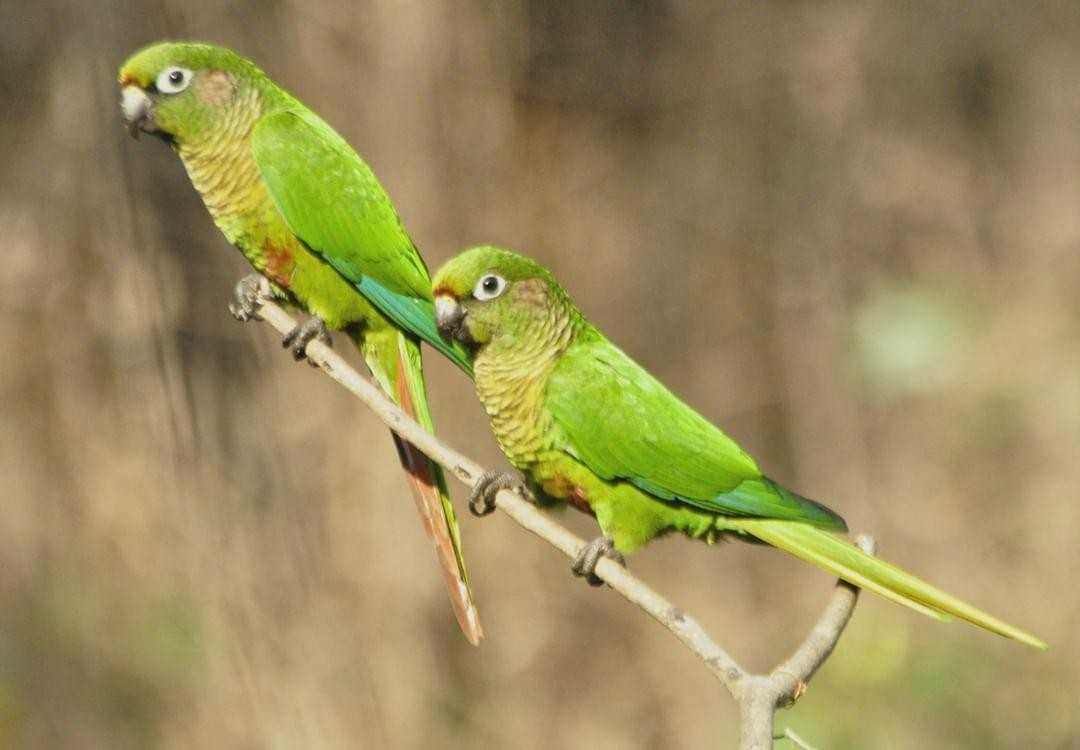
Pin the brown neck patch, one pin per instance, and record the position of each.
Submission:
(531, 292)
(216, 87)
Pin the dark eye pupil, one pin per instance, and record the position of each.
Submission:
(176, 77)
(491, 284)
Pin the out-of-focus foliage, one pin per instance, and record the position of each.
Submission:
(846, 231)
(906, 341)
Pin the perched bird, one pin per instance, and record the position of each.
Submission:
(310, 216)
(587, 425)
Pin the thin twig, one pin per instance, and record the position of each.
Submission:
(796, 740)
(788, 681)
(758, 696)
(822, 639)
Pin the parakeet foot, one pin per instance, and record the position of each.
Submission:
(297, 339)
(482, 496)
(585, 564)
(247, 292)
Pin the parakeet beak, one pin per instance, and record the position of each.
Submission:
(135, 105)
(448, 316)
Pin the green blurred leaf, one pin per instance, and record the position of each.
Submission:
(907, 339)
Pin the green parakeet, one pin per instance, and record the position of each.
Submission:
(310, 216)
(588, 425)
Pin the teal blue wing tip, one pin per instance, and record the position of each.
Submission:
(764, 498)
(812, 511)
(835, 522)
(416, 316)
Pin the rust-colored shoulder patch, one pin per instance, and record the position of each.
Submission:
(562, 488)
(216, 87)
(278, 262)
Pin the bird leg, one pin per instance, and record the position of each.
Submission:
(247, 292)
(482, 496)
(585, 564)
(297, 339)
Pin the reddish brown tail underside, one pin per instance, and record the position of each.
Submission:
(421, 475)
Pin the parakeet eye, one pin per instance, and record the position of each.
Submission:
(489, 287)
(173, 80)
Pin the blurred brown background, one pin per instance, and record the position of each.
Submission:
(846, 231)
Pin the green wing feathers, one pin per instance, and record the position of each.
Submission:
(847, 561)
(624, 424)
(332, 201)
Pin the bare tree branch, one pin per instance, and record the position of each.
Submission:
(758, 696)
(763, 695)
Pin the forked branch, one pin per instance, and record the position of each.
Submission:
(758, 696)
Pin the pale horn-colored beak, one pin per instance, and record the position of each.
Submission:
(448, 316)
(135, 105)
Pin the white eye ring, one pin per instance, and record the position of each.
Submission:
(489, 286)
(173, 80)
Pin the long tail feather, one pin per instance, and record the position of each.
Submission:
(847, 561)
(432, 498)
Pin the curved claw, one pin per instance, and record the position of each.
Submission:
(585, 564)
(247, 292)
(298, 338)
(482, 496)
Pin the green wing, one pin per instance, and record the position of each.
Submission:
(624, 424)
(332, 201)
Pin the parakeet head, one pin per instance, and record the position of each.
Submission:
(185, 90)
(487, 293)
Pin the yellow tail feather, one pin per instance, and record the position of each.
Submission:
(850, 563)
